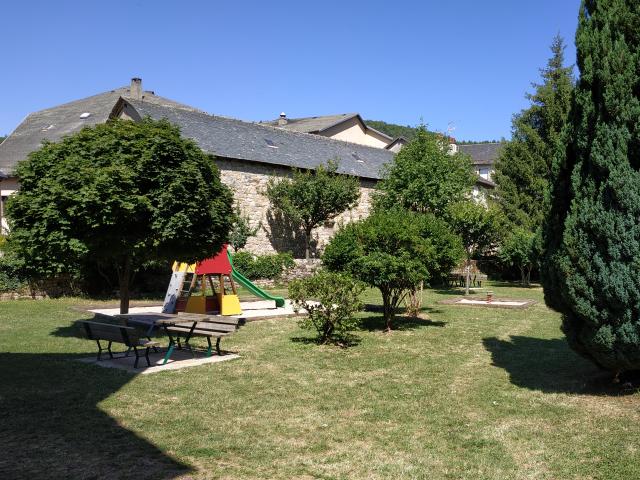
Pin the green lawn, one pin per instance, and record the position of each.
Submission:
(469, 393)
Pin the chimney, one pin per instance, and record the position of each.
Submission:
(136, 88)
(282, 121)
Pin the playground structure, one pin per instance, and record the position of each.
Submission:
(187, 291)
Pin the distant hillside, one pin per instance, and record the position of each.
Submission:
(392, 129)
(408, 132)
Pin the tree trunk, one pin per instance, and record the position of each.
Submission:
(468, 277)
(387, 310)
(307, 242)
(523, 277)
(124, 280)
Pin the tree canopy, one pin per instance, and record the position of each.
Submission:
(523, 169)
(425, 176)
(477, 226)
(591, 269)
(394, 250)
(310, 198)
(121, 193)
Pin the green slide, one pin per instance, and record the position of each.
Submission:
(246, 283)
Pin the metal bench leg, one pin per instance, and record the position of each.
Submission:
(99, 350)
(146, 355)
(172, 345)
(218, 346)
(109, 350)
(210, 347)
(135, 364)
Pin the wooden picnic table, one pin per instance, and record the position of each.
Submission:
(166, 320)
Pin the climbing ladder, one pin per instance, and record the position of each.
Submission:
(181, 284)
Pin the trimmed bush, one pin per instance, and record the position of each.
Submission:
(331, 300)
(262, 266)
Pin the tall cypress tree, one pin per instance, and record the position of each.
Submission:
(591, 269)
(524, 166)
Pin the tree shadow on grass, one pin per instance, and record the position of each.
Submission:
(549, 365)
(376, 308)
(376, 322)
(346, 340)
(51, 425)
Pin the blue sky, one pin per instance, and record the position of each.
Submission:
(465, 62)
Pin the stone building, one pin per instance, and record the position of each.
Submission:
(248, 154)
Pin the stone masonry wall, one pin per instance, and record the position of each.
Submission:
(248, 180)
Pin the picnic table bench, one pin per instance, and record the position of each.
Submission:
(111, 333)
(182, 327)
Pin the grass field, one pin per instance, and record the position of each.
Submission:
(467, 393)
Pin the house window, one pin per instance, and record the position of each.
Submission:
(484, 172)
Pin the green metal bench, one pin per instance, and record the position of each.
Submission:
(118, 334)
(210, 328)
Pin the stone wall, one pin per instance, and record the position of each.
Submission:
(248, 181)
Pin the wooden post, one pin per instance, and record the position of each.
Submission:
(233, 285)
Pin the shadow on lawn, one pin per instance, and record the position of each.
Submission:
(376, 322)
(52, 427)
(549, 365)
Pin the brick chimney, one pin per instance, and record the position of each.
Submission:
(282, 121)
(136, 88)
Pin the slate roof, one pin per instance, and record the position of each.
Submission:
(230, 138)
(312, 124)
(482, 153)
(321, 123)
(54, 123)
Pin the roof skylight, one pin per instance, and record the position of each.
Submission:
(270, 143)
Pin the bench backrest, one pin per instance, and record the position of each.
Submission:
(112, 333)
(212, 326)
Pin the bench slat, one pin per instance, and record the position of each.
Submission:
(203, 333)
(217, 327)
(112, 333)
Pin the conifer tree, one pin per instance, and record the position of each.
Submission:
(591, 268)
(524, 167)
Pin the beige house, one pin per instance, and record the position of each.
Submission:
(348, 127)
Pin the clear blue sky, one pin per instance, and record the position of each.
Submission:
(466, 62)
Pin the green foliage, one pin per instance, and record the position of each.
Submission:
(262, 266)
(394, 250)
(524, 166)
(11, 273)
(311, 198)
(407, 131)
(393, 130)
(591, 267)
(477, 226)
(518, 250)
(241, 230)
(424, 177)
(331, 300)
(118, 194)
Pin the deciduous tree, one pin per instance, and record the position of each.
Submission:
(310, 198)
(478, 227)
(121, 193)
(425, 176)
(394, 250)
